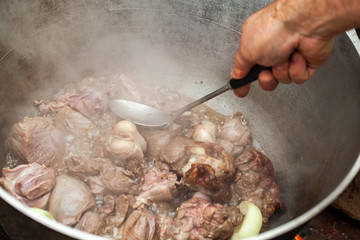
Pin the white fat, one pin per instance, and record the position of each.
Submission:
(124, 127)
(205, 132)
(127, 128)
(122, 144)
(197, 150)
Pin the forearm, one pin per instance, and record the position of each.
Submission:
(318, 18)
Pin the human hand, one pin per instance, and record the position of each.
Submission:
(267, 39)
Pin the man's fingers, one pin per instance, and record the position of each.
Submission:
(241, 66)
(298, 69)
(267, 80)
(243, 91)
(240, 70)
(281, 72)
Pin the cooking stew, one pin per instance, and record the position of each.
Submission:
(104, 175)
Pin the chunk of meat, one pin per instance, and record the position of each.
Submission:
(255, 182)
(175, 154)
(39, 139)
(235, 134)
(70, 199)
(91, 99)
(91, 222)
(122, 144)
(189, 119)
(205, 132)
(29, 183)
(158, 140)
(75, 123)
(166, 226)
(123, 150)
(213, 155)
(127, 129)
(134, 90)
(121, 210)
(87, 167)
(108, 205)
(113, 179)
(202, 177)
(81, 132)
(135, 167)
(198, 218)
(140, 225)
(159, 185)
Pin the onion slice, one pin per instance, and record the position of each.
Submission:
(252, 222)
(43, 213)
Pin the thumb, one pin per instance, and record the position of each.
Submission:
(241, 66)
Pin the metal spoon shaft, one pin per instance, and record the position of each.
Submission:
(232, 84)
(201, 100)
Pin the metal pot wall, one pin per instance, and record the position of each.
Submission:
(311, 132)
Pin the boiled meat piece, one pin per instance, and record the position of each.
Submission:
(255, 182)
(87, 167)
(91, 99)
(96, 185)
(201, 177)
(209, 169)
(235, 134)
(127, 129)
(158, 140)
(81, 132)
(140, 225)
(175, 154)
(116, 209)
(123, 150)
(107, 206)
(213, 155)
(159, 185)
(199, 218)
(121, 210)
(166, 226)
(75, 123)
(123, 144)
(29, 183)
(91, 222)
(134, 90)
(39, 139)
(136, 168)
(205, 132)
(113, 179)
(189, 119)
(70, 199)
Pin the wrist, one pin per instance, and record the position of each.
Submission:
(321, 19)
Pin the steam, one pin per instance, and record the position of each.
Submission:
(47, 45)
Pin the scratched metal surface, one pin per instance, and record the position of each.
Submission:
(306, 130)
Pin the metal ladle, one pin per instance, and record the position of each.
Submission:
(147, 116)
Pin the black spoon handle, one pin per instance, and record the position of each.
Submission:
(250, 77)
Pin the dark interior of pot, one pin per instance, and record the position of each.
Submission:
(311, 132)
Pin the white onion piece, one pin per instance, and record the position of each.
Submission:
(252, 222)
(43, 213)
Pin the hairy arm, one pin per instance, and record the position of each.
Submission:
(295, 37)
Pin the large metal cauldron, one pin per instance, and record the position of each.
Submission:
(311, 132)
